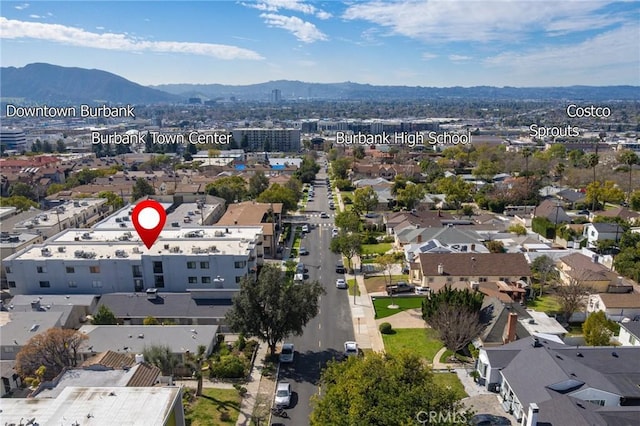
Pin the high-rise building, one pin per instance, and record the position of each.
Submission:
(272, 140)
(12, 139)
(276, 95)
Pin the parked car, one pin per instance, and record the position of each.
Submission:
(283, 395)
(351, 349)
(420, 290)
(303, 251)
(341, 283)
(332, 206)
(489, 420)
(340, 268)
(305, 228)
(287, 353)
(300, 269)
(334, 232)
(400, 287)
(324, 215)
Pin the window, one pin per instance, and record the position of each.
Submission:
(45, 284)
(505, 279)
(204, 265)
(482, 279)
(193, 280)
(463, 279)
(599, 402)
(206, 280)
(449, 279)
(238, 280)
(7, 269)
(71, 270)
(73, 284)
(191, 265)
(41, 269)
(158, 281)
(135, 269)
(97, 284)
(12, 284)
(138, 285)
(241, 264)
(94, 269)
(157, 267)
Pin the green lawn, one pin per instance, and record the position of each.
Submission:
(404, 303)
(353, 287)
(215, 406)
(452, 380)
(380, 248)
(547, 303)
(422, 341)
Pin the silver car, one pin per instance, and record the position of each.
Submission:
(287, 352)
(283, 395)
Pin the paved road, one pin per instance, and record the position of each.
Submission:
(324, 336)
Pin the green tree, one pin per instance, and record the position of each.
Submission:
(364, 199)
(142, 188)
(606, 192)
(162, 357)
(348, 221)
(104, 316)
(358, 152)
(467, 211)
(60, 146)
(592, 160)
(495, 246)
(308, 170)
(277, 193)
(518, 229)
(411, 195)
(340, 168)
(544, 270)
(196, 362)
(231, 188)
(150, 320)
(455, 315)
(113, 200)
(456, 190)
(598, 330)
(629, 159)
(273, 309)
(19, 202)
(347, 245)
(486, 170)
(634, 200)
(382, 389)
(576, 156)
(20, 189)
(257, 184)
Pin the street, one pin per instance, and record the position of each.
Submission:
(324, 336)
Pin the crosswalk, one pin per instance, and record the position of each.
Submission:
(331, 216)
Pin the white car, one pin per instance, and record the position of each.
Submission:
(334, 232)
(283, 395)
(287, 353)
(305, 228)
(421, 290)
(350, 349)
(341, 283)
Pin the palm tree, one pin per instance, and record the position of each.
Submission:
(629, 158)
(197, 361)
(592, 161)
(526, 153)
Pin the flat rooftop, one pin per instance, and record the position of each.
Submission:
(542, 323)
(52, 300)
(122, 218)
(105, 244)
(17, 239)
(95, 406)
(69, 209)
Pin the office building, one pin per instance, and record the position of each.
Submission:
(271, 140)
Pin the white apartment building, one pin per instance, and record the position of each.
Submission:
(285, 140)
(98, 261)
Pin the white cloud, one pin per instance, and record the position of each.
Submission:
(428, 56)
(459, 58)
(33, 16)
(302, 30)
(480, 20)
(13, 29)
(100, 28)
(291, 5)
(615, 49)
(22, 6)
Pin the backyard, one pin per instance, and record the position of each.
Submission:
(547, 303)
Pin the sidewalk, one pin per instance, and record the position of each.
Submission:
(253, 386)
(363, 316)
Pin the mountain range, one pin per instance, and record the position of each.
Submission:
(52, 84)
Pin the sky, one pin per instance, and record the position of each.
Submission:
(525, 43)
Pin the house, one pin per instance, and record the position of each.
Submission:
(74, 307)
(621, 212)
(595, 232)
(616, 306)
(449, 235)
(411, 251)
(190, 308)
(629, 333)
(133, 339)
(535, 372)
(552, 211)
(10, 378)
(17, 328)
(251, 213)
(394, 222)
(435, 270)
(102, 406)
(578, 268)
(570, 197)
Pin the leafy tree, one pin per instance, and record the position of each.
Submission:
(557, 150)
(53, 349)
(495, 246)
(142, 188)
(20, 189)
(343, 184)
(347, 245)
(104, 316)
(467, 211)
(196, 362)
(358, 152)
(348, 221)
(592, 161)
(634, 200)
(162, 357)
(230, 188)
(272, 309)
(113, 200)
(340, 168)
(60, 146)
(257, 184)
(54, 188)
(364, 199)
(455, 315)
(386, 261)
(629, 158)
(36, 146)
(149, 320)
(486, 170)
(518, 229)
(277, 193)
(19, 202)
(544, 270)
(411, 195)
(308, 170)
(575, 156)
(598, 330)
(456, 190)
(382, 389)
(47, 147)
(606, 192)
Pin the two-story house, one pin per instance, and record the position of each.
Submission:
(595, 232)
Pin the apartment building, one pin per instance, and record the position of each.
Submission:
(260, 139)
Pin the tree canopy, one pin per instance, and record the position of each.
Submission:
(277, 193)
(348, 245)
(272, 308)
(104, 316)
(382, 389)
(348, 221)
(598, 330)
(364, 199)
(231, 188)
(142, 188)
(257, 184)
